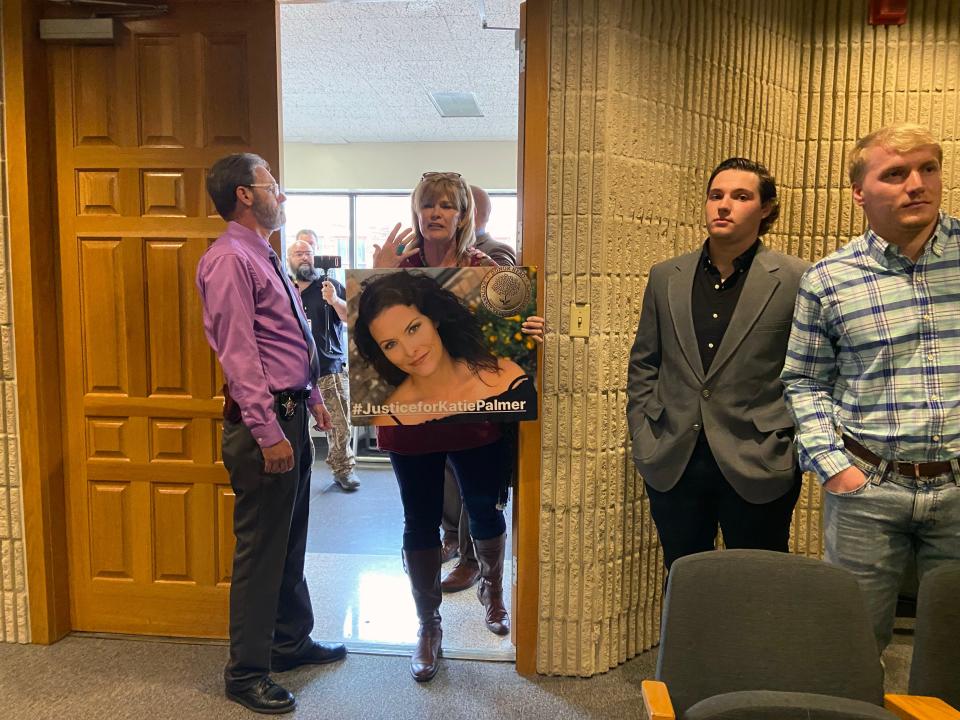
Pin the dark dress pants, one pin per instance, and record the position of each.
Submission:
(270, 611)
(687, 514)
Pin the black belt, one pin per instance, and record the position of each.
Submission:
(298, 395)
(907, 469)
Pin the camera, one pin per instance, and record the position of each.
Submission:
(326, 263)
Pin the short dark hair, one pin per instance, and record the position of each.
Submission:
(458, 329)
(226, 175)
(768, 186)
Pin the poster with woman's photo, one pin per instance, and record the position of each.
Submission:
(441, 345)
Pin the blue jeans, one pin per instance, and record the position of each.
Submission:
(480, 473)
(874, 530)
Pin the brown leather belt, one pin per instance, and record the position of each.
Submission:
(914, 470)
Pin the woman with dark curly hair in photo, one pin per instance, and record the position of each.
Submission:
(420, 338)
(481, 456)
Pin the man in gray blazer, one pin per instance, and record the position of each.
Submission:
(711, 434)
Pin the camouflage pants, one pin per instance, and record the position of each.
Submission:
(335, 389)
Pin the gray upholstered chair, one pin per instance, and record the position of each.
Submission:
(757, 635)
(935, 669)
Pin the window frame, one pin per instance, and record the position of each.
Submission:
(352, 196)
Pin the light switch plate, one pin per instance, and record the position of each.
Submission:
(579, 320)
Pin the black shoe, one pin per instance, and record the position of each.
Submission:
(264, 696)
(317, 654)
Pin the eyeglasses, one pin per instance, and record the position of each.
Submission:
(448, 175)
(269, 187)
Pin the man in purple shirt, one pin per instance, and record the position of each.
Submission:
(270, 363)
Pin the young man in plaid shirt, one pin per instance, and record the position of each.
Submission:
(872, 373)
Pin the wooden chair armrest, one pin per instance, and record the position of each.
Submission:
(919, 707)
(656, 699)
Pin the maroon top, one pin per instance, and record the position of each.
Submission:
(439, 437)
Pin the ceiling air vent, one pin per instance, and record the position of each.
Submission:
(456, 104)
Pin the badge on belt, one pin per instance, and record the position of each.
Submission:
(289, 407)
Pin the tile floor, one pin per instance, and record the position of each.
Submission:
(360, 593)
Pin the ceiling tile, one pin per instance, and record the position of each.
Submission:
(362, 71)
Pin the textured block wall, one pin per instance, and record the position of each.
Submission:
(14, 625)
(646, 97)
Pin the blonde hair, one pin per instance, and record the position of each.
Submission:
(438, 186)
(901, 138)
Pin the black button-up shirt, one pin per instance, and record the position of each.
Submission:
(715, 299)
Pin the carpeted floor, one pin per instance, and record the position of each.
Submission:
(86, 678)
(82, 678)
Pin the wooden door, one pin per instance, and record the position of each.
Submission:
(137, 124)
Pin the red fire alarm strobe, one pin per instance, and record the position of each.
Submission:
(888, 12)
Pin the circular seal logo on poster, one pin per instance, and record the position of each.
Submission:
(505, 290)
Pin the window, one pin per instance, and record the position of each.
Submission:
(502, 225)
(348, 224)
(375, 217)
(327, 215)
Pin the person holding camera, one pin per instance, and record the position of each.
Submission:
(326, 309)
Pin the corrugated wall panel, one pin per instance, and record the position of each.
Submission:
(646, 97)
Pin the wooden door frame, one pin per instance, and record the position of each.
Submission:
(32, 224)
(36, 323)
(532, 201)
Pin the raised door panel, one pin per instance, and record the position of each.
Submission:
(225, 542)
(171, 440)
(159, 91)
(98, 192)
(104, 316)
(95, 96)
(172, 510)
(164, 193)
(110, 522)
(226, 112)
(168, 334)
(108, 438)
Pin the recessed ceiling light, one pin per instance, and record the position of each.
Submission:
(456, 104)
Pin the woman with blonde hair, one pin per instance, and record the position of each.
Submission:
(443, 236)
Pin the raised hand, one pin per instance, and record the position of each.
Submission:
(398, 246)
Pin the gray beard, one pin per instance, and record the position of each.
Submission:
(306, 272)
(269, 221)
